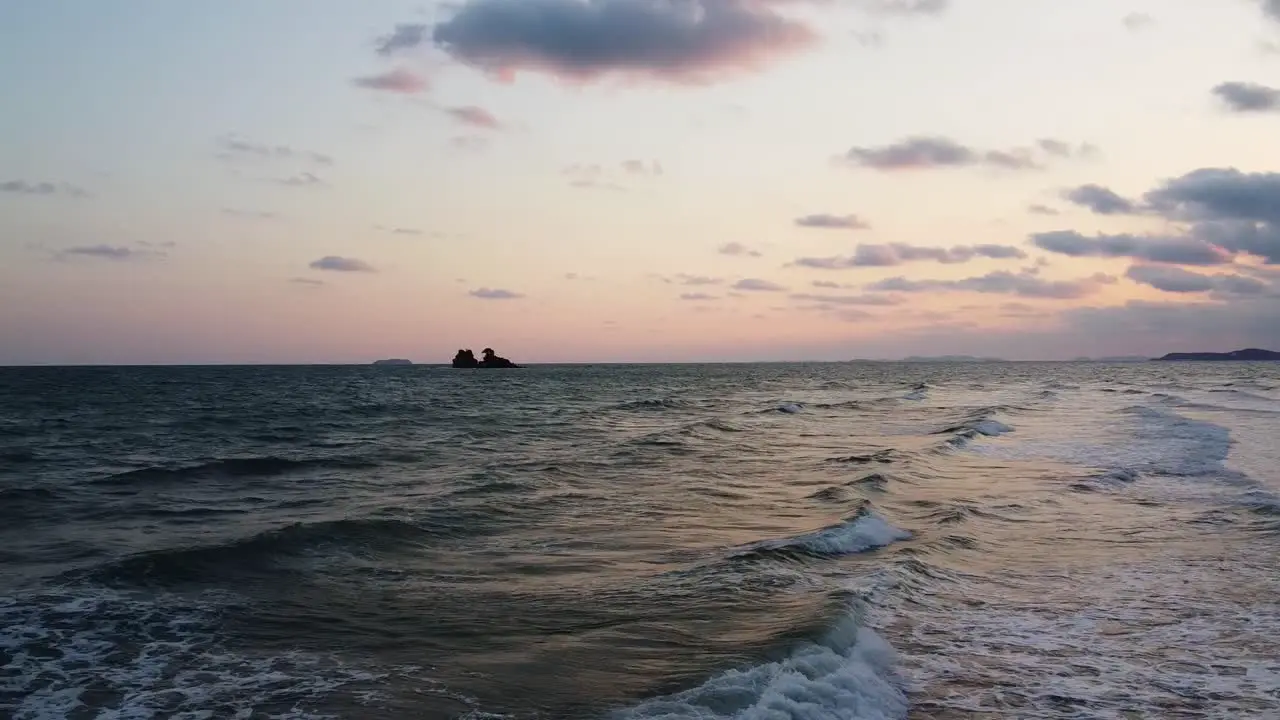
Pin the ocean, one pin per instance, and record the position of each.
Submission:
(772, 541)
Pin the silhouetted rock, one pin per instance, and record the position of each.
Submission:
(467, 359)
(393, 361)
(1246, 355)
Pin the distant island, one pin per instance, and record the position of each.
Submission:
(1115, 359)
(393, 361)
(467, 359)
(950, 359)
(1246, 355)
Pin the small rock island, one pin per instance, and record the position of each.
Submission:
(1246, 355)
(467, 359)
(393, 361)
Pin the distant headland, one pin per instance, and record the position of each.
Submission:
(393, 361)
(467, 359)
(1246, 355)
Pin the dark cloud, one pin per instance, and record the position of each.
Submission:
(1271, 8)
(737, 249)
(397, 80)
(697, 296)
(341, 264)
(1248, 97)
(22, 187)
(1176, 280)
(302, 179)
(758, 285)
(871, 300)
(485, 293)
(833, 222)
(1101, 200)
(1136, 21)
(830, 285)
(1226, 212)
(1235, 211)
(688, 41)
(1038, 209)
(889, 255)
(232, 147)
(308, 282)
(1022, 284)
(475, 116)
(249, 214)
(1171, 249)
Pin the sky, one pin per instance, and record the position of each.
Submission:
(637, 180)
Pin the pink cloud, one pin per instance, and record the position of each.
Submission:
(398, 80)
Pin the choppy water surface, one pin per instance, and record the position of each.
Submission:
(769, 541)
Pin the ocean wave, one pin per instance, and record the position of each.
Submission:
(247, 467)
(865, 531)
(846, 674)
(883, 457)
(264, 551)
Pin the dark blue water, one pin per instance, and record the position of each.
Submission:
(746, 541)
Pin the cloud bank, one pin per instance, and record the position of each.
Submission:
(892, 254)
(341, 264)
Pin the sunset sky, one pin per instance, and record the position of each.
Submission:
(637, 180)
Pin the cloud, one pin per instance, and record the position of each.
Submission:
(687, 279)
(475, 117)
(1271, 8)
(1136, 21)
(405, 36)
(833, 222)
(922, 152)
(902, 7)
(302, 179)
(109, 252)
(1234, 211)
(697, 296)
(308, 282)
(249, 214)
(341, 264)
(233, 147)
(1248, 97)
(485, 293)
(397, 80)
(639, 167)
(871, 300)
(889, 255)
(405, 231)
(1022, 284)
(1173, 250)
(689, 41)
(1176, 280)
(23, 187)
(737, 249)
(1038, 209)
(758, 285)
(1102, 201)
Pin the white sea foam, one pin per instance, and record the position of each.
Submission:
(1110, 642)
(865, 532)
(847, 675)
(111, 656)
